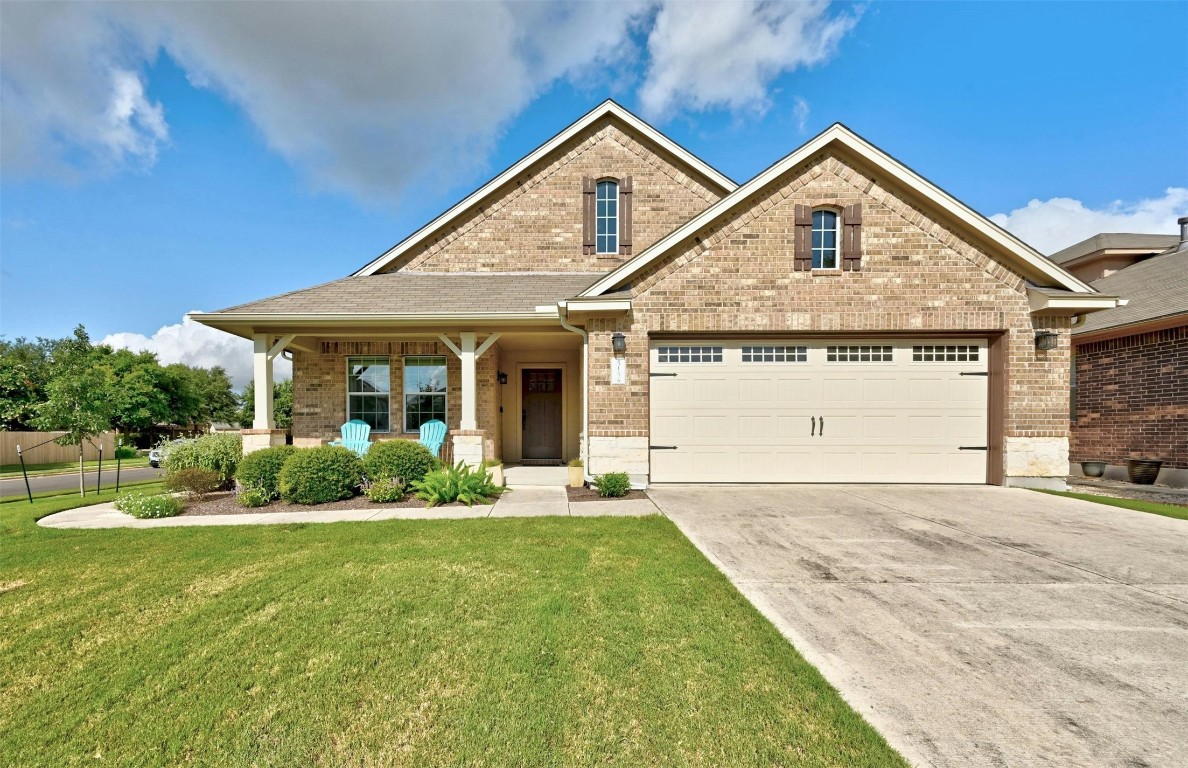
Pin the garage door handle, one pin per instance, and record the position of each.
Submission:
(813, 431)
(822, 434)
(973, 448)
(662, 447)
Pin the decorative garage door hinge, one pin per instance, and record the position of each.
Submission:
(662, 447)
(662, 374)
(975, 373)
(973, 448)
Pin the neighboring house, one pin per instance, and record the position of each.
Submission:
(837, 318)
(1130, 395)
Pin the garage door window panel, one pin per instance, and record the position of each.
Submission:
(960, 353)
(859, 354)
(689, 354)
(775, 354)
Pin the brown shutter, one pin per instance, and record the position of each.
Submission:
(587, 215)
(625, 216)
(852, 238)
(802, 239)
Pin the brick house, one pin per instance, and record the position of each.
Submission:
(1130, 380)
(612, 297)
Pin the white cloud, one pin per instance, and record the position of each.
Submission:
(198, 345)
(725, 54)
(801, 113)
(1050, 225)
(375, 99)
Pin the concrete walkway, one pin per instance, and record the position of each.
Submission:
(973, 626)
(529, 501)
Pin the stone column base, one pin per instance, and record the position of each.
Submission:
(468, 446)
(620, 454)
(1037, 462)
(257, 439)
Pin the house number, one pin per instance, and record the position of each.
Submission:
(618, 370)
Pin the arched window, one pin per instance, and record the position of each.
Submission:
(826, 239)
(607, 217)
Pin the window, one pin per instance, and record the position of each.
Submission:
(774, 354)
(689, 354)
(825, 239)
(424, 391)
(858, 354)
(369, 386)
(950, 354)
(607, 217)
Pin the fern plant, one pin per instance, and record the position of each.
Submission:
(457, 483)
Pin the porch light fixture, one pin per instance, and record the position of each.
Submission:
(1045, 340)
(619, 344)
(502, 377)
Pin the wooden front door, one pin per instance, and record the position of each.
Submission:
(541, 418)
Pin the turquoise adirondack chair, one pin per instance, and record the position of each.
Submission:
(433, 435)
(356, 436)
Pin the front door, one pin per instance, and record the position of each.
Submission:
(541, 418)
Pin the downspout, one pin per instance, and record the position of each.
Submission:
(562, 314)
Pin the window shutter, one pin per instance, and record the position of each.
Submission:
(625, 216)
(802, 239)
(588, 187)
(852, 238)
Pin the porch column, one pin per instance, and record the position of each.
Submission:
(469, 381)
(263, 433)
(468, 438)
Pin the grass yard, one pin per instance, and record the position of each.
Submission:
(1155, 508)
(546, 641)
(66, 467)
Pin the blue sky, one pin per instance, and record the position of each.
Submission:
(232, 172)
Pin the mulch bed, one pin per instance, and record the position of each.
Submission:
(589, 494)
(224, 504)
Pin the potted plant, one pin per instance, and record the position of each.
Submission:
(495, 470)
(1143, 471)
(1093, 468)
(576, 475)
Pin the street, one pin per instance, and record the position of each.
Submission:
(15, 486)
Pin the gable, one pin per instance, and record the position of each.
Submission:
(877, 175)
(529, 218)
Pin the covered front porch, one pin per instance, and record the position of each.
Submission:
(512, 395)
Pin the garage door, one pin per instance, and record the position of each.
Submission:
(862, 411)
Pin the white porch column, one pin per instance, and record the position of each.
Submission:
(469, 381)
(262, 368)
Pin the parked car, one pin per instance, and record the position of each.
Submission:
(157, 455)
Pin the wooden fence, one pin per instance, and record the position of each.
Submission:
(52, 453)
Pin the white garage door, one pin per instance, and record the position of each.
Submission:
(862, 411)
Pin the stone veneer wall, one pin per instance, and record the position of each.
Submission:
(1132, 399)
(916, 276)
(535, 222)
(319, 390)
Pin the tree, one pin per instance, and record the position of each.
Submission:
(78, 395)
(24, 371)
(200, 395)
(282, 404)
(140, 392)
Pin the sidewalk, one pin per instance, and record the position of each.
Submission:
(525, 501)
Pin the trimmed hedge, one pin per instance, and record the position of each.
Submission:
(218, 453)
(405, 460)
(320, 475)
(612, 484)
(261, 469)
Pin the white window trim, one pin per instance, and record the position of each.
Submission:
(403, 394)
(880, 347)
(617, 217)
(349, 358)
(837, 241)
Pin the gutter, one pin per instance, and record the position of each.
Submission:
(563, 316)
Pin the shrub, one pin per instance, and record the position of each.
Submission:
(405, 460)
(218, 453)
(320, 475)
(125, 452)
(195, 482)
(253, 496)
(261, 469)
(385, 491)
(460, 483)
(613, 484)
(148, 507)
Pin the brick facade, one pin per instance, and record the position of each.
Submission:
(535, 222)
(1132, 399)
(319, 389)
(917, 276)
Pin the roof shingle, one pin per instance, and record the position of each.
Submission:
(1155, 287)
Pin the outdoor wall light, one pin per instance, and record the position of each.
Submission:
(502, 377)
(1046, 340)
(619, 343)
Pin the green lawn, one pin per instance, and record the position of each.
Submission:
(64, 467)
(526, 642)
(1167, 510)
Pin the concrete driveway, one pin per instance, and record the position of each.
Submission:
(973, 626)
